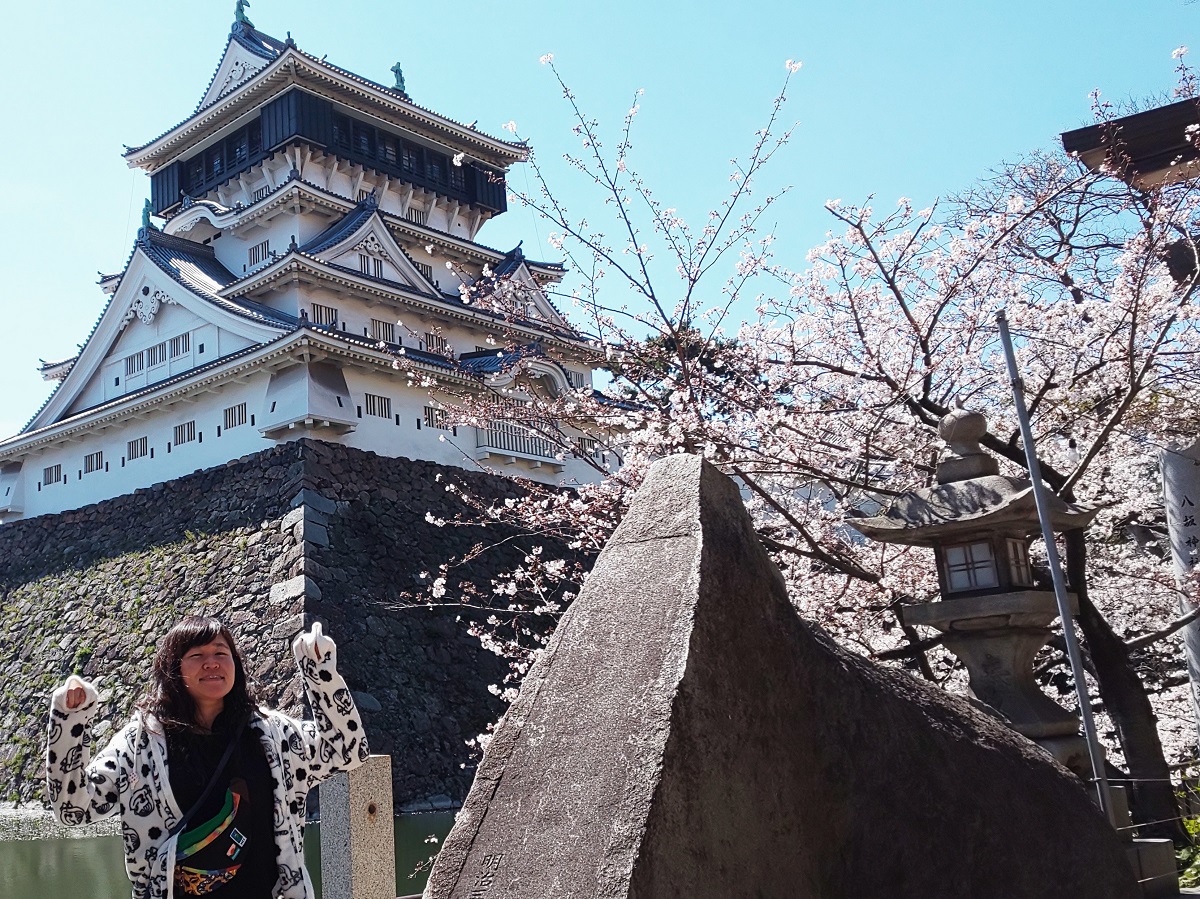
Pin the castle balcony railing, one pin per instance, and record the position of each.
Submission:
(511, 441)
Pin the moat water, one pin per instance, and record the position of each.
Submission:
(94, 868)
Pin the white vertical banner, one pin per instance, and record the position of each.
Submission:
(1181, 496)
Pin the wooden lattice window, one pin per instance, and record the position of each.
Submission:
(379, 406)
(235, 416)
(93, 462)
(186, 432)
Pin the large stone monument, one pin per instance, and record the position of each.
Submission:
(687, 734)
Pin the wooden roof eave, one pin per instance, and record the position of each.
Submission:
(123, 408)
(290, 69)
(331, 341)
(295, 262)
(295, 344)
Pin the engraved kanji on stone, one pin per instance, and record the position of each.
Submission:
(1192, 541)
(1185, 501)
(1189, 521)
(485, 878)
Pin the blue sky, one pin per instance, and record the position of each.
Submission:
(910, 99)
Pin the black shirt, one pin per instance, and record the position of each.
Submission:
(235, 826)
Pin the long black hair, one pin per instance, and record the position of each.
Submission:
(168, 700)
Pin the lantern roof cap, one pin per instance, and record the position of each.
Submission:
(993, 504)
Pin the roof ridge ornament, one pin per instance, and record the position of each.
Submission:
(399, 85)
(143, 234)
(239, 14)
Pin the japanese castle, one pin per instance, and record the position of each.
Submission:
(314, 230)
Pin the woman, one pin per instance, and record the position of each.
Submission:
(210, 788)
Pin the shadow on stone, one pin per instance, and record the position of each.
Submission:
(687, 734)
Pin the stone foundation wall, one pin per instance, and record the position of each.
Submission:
(301, 532)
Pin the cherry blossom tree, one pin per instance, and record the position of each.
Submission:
(819, 384)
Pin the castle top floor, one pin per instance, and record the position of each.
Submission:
(268, 95)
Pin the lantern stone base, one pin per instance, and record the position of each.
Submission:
(996, 637)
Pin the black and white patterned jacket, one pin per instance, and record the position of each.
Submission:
(129, 776)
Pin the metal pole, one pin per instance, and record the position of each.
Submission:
(1060, 587)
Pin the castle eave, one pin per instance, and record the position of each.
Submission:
(294, 68)
(299, 266)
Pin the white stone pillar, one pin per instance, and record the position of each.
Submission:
(358, 849)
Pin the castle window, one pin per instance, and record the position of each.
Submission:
(238, 148)
(180, 346)
(436, 343)
(52, 475)
(156, 355)
(324, 315)
(261, 192)
(259, 252)
(409, 160)
(369, 265)
(214, 161)
(235, 415)
(425, 269)
(134, 364)
(437, 418)
(387, 148)
(970, 566)
(93, 462)
(379, 406)
(254, 137)
(186, 432)
(364, 138)
(586, 446)
(341, 131)
(384, 331)
(435, 167)
(138, 448)
(576, 379)
(195, 171)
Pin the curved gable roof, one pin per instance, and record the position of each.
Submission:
(191, 265)
(361, 223)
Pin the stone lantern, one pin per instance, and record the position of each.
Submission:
(993, 613)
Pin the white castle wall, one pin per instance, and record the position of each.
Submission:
(214, 445)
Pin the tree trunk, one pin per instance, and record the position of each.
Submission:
(1152, 796)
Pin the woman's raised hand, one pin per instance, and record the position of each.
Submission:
(75, 693)
(314, 645)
